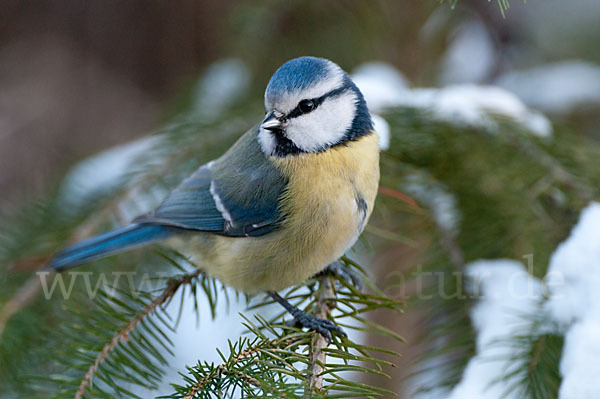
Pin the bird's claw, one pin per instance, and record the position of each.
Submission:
(302, 319)
(323, 326)
(338, 269)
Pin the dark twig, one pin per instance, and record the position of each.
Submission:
(168, 292)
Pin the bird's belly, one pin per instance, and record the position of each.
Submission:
(330, 200)
(281, 259)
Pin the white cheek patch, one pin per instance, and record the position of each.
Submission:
(325, 126)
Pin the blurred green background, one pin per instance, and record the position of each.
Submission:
(77, 77)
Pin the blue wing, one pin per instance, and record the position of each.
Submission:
(237, 195)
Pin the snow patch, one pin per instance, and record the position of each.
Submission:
(105, 170)
(510, 297)
(510, 294)
(197, 339)
(223, 83)
(577, 260)
(579, 365)
(475, 105)
(575, 306)
(461, 105)
(381, 84)
(558, 88)
(471, 55)
(383, 131)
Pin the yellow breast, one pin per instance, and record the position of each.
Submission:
(327, 203)
(327, 195)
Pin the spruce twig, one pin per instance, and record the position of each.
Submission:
(316, 352)
(267, 364)
(223, 368)
(24, 295)
(172, 287)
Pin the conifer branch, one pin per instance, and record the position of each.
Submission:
(316, 352)
(24, 295)
(172, 287)
(557, 172)
(227, 368)
(455, 253)
(267, 364)
(222, 369)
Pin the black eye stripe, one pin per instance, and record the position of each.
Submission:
(298, 111)
(316, 101)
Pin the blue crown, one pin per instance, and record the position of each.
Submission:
(297, 74)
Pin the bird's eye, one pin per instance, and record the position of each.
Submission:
(306, 106)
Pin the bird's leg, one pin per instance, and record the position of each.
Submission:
(338, 269)
(322, 326)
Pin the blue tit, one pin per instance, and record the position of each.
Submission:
(284, 202)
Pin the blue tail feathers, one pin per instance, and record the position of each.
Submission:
(108, 244)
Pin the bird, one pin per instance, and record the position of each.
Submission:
(282, 204)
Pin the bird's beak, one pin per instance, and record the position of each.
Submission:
(271, 122)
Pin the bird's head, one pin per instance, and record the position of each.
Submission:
(311, 105)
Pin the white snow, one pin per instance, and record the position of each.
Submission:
(383, 131)
(105, 170)
(575, 306)
(558, 88)
(475, 105)
(381, 84)
(462, 105)
(222, 84)
(198, 339)
(510, 298)
(471, 56)
(577, 260)
(580, 364)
